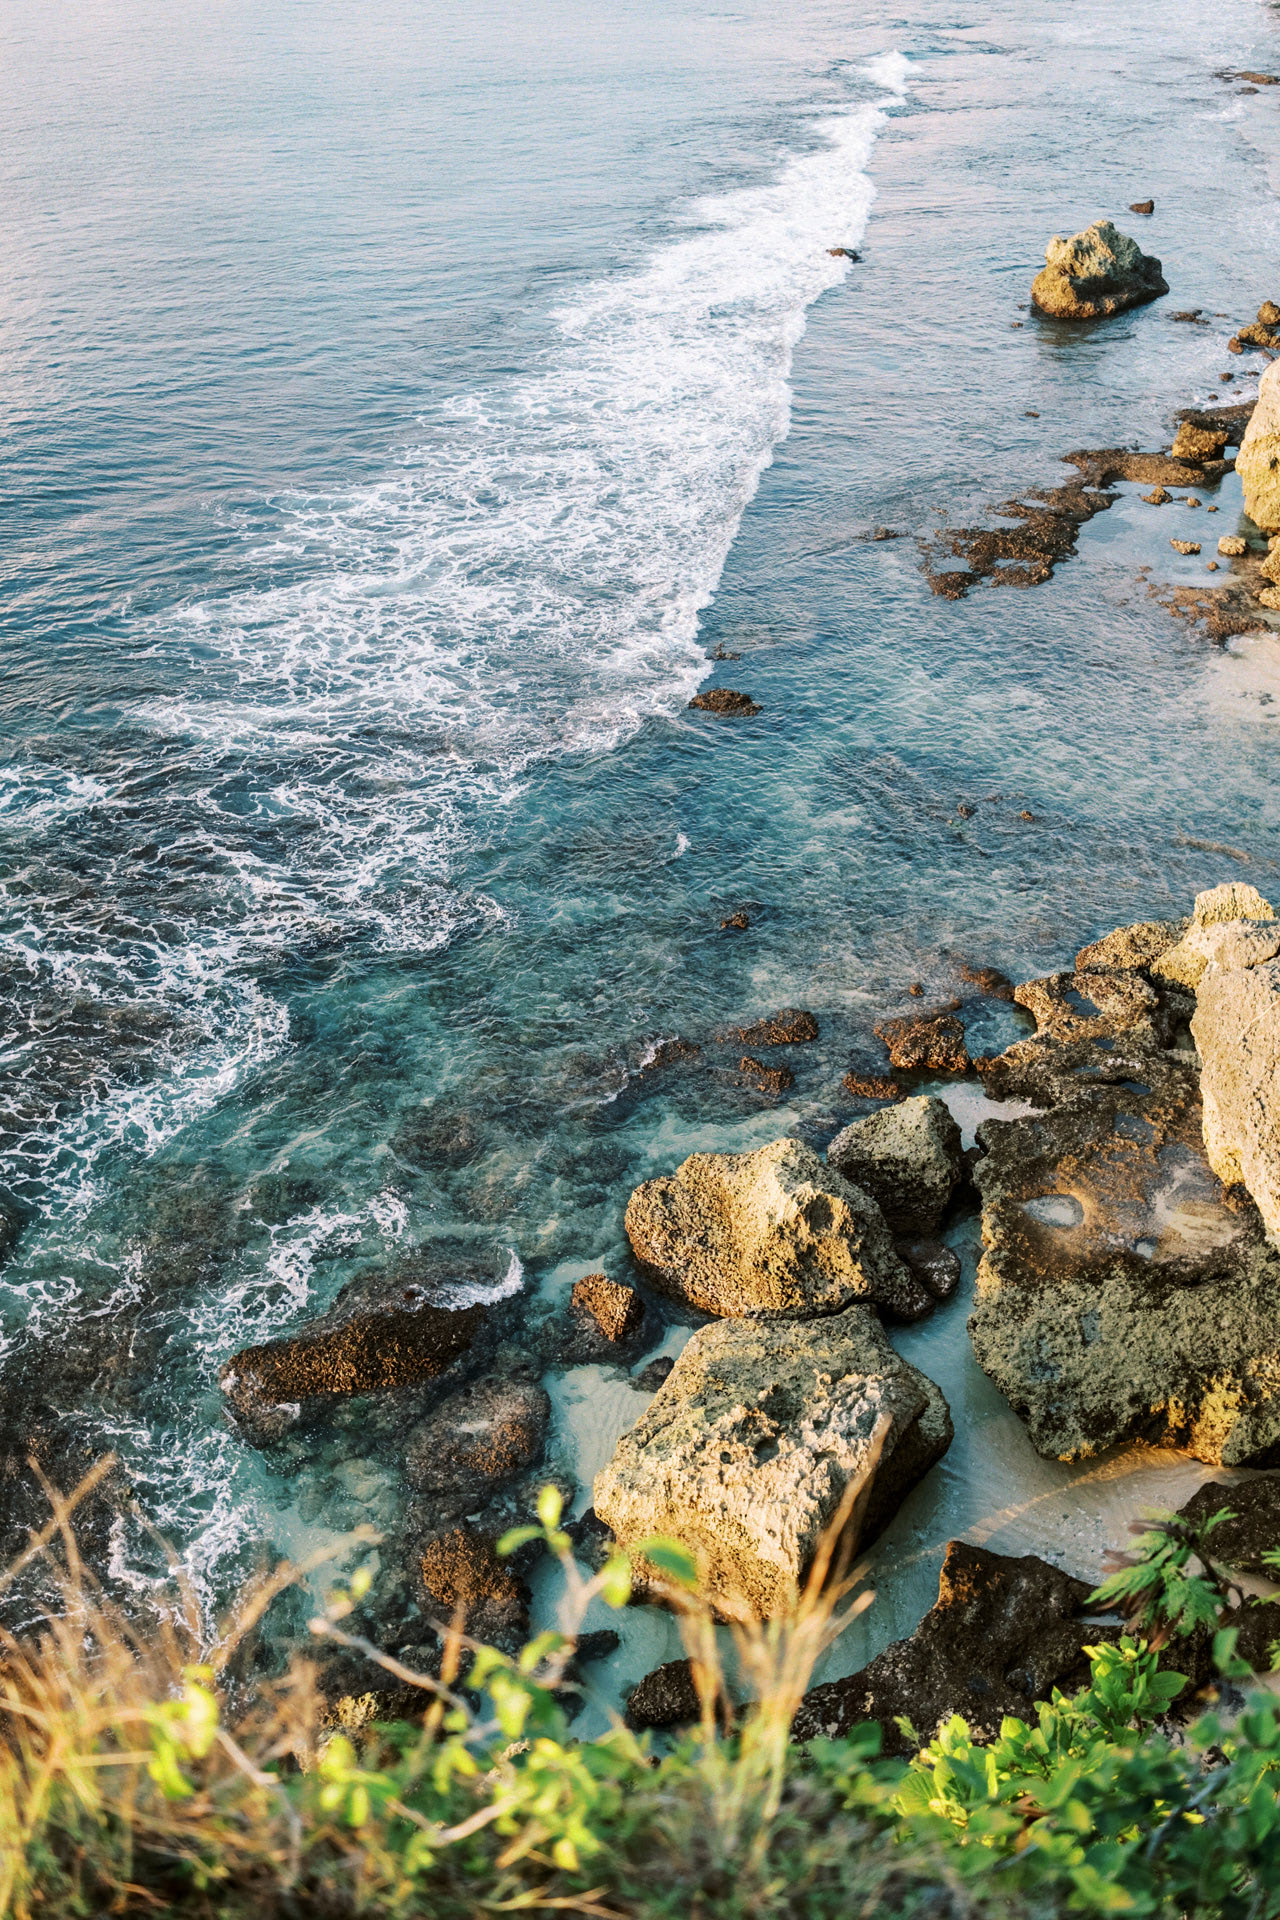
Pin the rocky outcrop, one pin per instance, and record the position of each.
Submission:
(382, 1331)
(925, 1043)
(1097, 272)
(475, 1441)
(789, 1027)
(1237, 1030)
(760, 1434)
(1220, 929)
(613, 1312)
(908, 1158)
(1001, 1635)
(1124, 1293)
(772, 1233)
(724, 701)
(1258, 461)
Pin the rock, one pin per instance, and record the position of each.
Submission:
(738, 921)
(866, 1087)
(1269, 314)
(965, 810)
(1158, 497)
(1198, 444)
(463, 1578)
(670, 1053)
(934, 1264)
(789, 1027)
(1237, 1031)
(989, 980)
(1185, 546)
(724, 700)
(1232, 545)
(1258, 335)
(615, 1310)
(1131, 948)
(475, 1440)
(436, 1136)
(758, 1436)
(1097, 272)
(1002, 1634)
(380, 1332)
(907, 1157)
(1270, 567)
(770, 1233)
(1240, 1542)
(1258, 461)
(925, 1043)
(1185, 962)
(651, 1377)
(666, 1697)
(766, 1079)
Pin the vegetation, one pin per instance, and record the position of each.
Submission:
(131, 1781)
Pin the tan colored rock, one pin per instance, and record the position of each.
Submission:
(772, 1233)
(1133, 948)
(758, 1435)
(1258, 461)
(1237, 1030)
(615, 1310)
(1198, 444)
(908, 1158)
(1233, 545)
(1234, 901)
(1097, 272)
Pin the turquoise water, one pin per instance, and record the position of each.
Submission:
(401, 405)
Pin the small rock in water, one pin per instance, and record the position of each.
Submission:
(1211, 566)
(1142, 206)
(843, 253)
(1159, 497)
(938, 1266)
(1026, 814)
(462, 1575)
(1211, 508)
(866, 1087)
(925, 1043)
(786, 1028)
(989, 980)
(1191, 316)
(723, 653)
(1095, 273)
(651, 1376)
(724, 700)
(476, 1439)
(736, 920)
(616, 1310)
(766, 1079)
(1031, 414)
(964, 809)
(1185, 546)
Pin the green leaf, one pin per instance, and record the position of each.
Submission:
(550, 1507)
(515, 1538)
(615, 1580)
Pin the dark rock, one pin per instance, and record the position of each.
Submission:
(723, 653)
(843, 253)
(766, 1079)
(651, 1377)
(616, 1311)
(1002, 1634)
(989, 980)
(599, 1645)
(867, 1087)
(739, 921)
(1142, 206)
(925, 1043)
(666, 1697)
(670, 1053)
(464, 1579)
(907, 1157)
(724, 700)
(1241, 1542)
(938, 1266)
(592, 1539)
(475, 1440)
(965, 811)
(788, 1027)
(436, 1136)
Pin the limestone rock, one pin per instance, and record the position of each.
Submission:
(725, 701)
(908, 1158)
(925, 1043)
(759, 1433)
(789, 1027)
(463, 1577)
(1097, 272)
(772, 1233)
(615, 1311)
(1198, 444)
(1258, 461)
(938, 1266)
(475, 1440)
(1237, 1030)
(1002, 1634)
(1228, 904)
(1128, 948)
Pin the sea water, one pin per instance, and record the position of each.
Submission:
(402, 406)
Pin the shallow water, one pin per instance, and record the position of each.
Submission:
(400, 409)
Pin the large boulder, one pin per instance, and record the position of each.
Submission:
(1258, 461)
(760, 1434)
(771, 1233)
(1094, 273)
(908, 1158)
(1222, 929)
(1237, 1030)
(1001, 1635)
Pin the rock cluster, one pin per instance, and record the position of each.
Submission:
(1097, 272)
(763, 1434)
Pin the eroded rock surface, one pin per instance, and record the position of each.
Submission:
(1001, 1635)
(476, 1440)
(759, 1433)
(1237, 1030)
(1254, 1529)
(1124, 1293)
(463, 1579)
(925, 1042)
(612, 1311)
(1258, 461)
(907, 1157)
(666, 1697)
(1095, 273)
(775, 1232)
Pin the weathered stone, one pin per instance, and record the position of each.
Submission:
(774, 1080)
(380, 1332)
(907, 1157)
(724, 700)
(1232, 545)
(1128, 948)
(1237, 1030)
(789, 1027)
(773, 1233)
(936, 1265)
(1235, 901)
(925, 1043)
(1001, 1635)
(1254, 1530)
(1185, 546)
(868, 1087)
(464, 1579)
(1258, 461)
(1197, 444)
(615, 1310)
(666, 1697)
(1097, 272)
(475, 1440)
(761, 1434)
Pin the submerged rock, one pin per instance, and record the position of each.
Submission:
(1258, 461)
(907, 1157)
(759, 1435)
(1096, 272)
(1002, 1634)
(771, 1233)
(477, 1439)
(789, 1027)
(724, 700)
(463, 1579)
